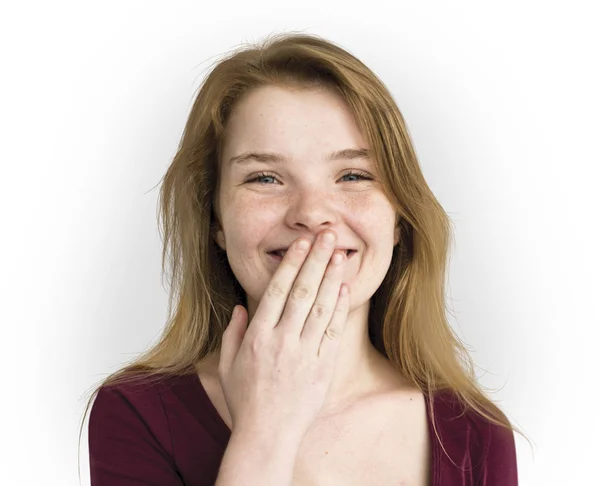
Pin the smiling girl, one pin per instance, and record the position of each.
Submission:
(305, 384)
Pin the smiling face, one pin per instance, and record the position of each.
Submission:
(264, 204)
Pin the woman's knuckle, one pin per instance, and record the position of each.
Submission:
(274, 289)
(320, 310)
(301, 292)
(332, 332)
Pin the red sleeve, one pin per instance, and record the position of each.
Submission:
(129, 440)
(500, 462)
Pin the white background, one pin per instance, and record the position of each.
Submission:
(501, 99)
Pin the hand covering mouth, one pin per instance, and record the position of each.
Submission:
(281, 252)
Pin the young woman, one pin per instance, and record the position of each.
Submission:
(338, 365)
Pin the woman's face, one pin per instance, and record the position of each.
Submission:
(303, 194)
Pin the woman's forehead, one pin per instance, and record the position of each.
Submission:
(290, 127)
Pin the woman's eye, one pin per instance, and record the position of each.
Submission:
(264, 175)
(260, 176)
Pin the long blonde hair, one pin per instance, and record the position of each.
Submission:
(407, 319)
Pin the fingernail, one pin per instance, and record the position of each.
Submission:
(302, 245)
(328, 238)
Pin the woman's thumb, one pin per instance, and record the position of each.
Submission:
(233, 337)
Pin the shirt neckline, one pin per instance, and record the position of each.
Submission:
(192, 392)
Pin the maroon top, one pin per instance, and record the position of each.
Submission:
(169, 433)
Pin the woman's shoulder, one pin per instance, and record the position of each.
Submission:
(155, 428)
(140, 392)
(470, 438)
(451, 411)
(136, 395)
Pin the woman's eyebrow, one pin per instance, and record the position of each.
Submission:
(271, 157)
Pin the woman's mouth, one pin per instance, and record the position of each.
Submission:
(278, 255)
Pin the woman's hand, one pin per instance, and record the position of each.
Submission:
(276, 372)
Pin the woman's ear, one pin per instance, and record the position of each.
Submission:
(220, 239)
(397, 235)
(216, 229)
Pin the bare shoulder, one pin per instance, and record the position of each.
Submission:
(382, 439)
